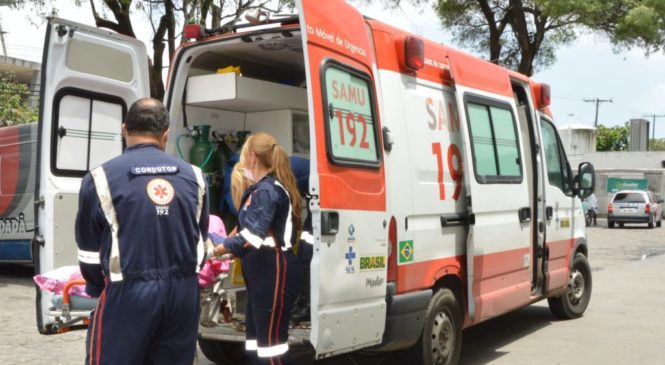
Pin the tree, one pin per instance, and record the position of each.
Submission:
(166, 17)
(612, 138)
(14, 106)
(518, 34)
(631, 23)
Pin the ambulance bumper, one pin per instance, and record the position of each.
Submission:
(404, 319)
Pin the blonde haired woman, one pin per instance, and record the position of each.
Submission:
(268, 222)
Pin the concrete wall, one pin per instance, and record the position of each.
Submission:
(623, 160)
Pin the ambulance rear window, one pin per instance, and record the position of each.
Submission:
(351, 124)
(85, 131)
(494, 142)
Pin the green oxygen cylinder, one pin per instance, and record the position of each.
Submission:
(201, 155)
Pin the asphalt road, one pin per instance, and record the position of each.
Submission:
(624, 324)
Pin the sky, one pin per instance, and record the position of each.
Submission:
(585, 69)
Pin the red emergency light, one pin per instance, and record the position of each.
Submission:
(193, 31)
(414, 53)
(411, 53)
(545, 97)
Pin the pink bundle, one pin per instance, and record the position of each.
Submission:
(213, 267)
(54, 281)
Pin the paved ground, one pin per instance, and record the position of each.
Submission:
(625, 322)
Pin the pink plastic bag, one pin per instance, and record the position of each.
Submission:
(213, 267)
(216, 225)
(54, 281)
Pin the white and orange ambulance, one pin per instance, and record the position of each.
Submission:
(439, 189)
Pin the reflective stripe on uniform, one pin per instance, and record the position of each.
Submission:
(250, 237)
(271, 351)
(200, 246)
(257, 241)
(307, 237)
(89, 257)
(251, 345)
(106, 200)
(288, 229)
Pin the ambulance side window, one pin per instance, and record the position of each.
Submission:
(495, 146)
(85, 131)
(351, 130)
(555, 159)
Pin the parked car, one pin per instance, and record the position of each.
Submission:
(631, 206)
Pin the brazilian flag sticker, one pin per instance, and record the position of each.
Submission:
(405, 251)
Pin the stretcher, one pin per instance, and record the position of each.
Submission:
(70, 311)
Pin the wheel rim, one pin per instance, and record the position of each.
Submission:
(576, 285)
(443, 338)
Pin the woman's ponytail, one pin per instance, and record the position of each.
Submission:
(272, 156)
(281, 167)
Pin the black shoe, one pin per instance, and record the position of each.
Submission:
(300, 312)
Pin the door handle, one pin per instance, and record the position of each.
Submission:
(549, 212)
(524, 214)
(329, 223)
(457, 219)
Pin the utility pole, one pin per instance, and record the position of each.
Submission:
(653, 124)
(598, 102)
(2, 39)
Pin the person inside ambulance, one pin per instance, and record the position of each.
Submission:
(268, 225)
(140, 228)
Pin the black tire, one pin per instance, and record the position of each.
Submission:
(620, 225)
(575, 300)
(659, 223)
(651, 222)
(588, 219)
(610, 224)
(223, 352)
(440, 343)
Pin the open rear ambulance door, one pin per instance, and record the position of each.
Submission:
(498, 252)
(90, 77)
(348, 270)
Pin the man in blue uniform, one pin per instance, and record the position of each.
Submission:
(140, 228)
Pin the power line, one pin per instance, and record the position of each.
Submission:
(598, 102)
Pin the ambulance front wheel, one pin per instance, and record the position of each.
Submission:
(441, 340)
(222, 352)
(574, 301)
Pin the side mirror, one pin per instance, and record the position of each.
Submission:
(585, 180)
(660, 201)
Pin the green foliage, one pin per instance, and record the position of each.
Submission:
(14, 107)
(631, 23)
(612, 138)
(657, 144)
(519, 34)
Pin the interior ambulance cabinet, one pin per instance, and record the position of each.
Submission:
(243, 94)
(289, 127)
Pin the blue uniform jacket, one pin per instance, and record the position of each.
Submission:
(264, 218)
(156, 199)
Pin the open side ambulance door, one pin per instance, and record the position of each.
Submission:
(348, 270)
(90, 77)
(498, 251)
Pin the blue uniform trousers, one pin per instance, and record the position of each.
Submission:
(145, 322)
(273, 279)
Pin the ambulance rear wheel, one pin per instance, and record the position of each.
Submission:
(441, 340)
(222, 352)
